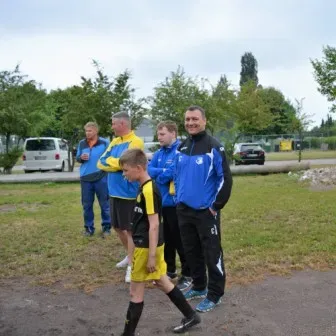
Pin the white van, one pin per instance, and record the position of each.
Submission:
(45, 153)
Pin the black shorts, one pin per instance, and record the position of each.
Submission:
(122, 211)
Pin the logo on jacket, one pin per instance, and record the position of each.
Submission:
(199, 160)
(222, 149)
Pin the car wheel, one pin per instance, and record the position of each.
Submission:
(62, 169)
(261, 163)
(29, 171)
(237, 163)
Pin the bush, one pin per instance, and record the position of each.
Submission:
(8, 160)
(317, 142)
(331, 141)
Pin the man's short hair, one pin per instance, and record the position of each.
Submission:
(170, 125)
(121, 115)
(195, 108)
(91, 124)
(133, 157)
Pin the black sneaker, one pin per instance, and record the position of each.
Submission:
(88, 233)
(172, 275)
(106, 233)
(184, 283)
(187, 323)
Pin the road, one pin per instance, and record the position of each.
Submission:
(70, 176)
(302, 304)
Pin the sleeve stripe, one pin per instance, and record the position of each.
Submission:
(149, 198)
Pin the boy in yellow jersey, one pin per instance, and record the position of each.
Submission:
(148, 257)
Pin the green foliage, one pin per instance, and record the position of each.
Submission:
(8, 160)
(282, 110)
(173, 96)
(316, 142)
(22, 106)
(249, 69)
(325, 74)
(252, 114)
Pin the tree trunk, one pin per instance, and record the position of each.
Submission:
(7, 142)
(300, 150)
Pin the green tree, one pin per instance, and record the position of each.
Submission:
(282, 110)
(325, 74)
(95, 99)
(249, 69)
(105, 96)
(173, 96)
(251, 113)
(22, 109)
(301, 122)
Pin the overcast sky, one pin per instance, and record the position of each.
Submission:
(55, 40)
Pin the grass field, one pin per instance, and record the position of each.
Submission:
(306, 155)
(272, 225)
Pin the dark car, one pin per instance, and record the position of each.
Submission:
(249, 153)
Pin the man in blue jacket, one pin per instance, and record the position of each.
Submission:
(203, 186)
(93, 180)
(158, 170)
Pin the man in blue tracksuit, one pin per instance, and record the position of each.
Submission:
(93, 180)
(159, 172)
(203, 184)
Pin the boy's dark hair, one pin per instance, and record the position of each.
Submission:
(195, 108)
(170, 125)
(133, 157)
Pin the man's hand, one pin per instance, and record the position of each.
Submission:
(151, 264)
(214, 213)
(84, 156)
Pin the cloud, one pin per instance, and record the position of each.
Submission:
(56, 40)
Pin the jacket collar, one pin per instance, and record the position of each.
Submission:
(198, 136)
(172, 146)
(128, 136)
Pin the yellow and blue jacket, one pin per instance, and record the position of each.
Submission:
(118, 186)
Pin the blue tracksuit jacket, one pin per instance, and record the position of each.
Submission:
(159, 172)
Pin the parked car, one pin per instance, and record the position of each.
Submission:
(45, 153)
(248, 153)
(150, 148)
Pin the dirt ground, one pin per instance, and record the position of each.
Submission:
(301, 305)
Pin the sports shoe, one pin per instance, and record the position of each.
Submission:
(207, 305)
(187, 323)
(184, 283)
(128, 274)
(172, 275)
(123, 263)
(106, 233)
(88, 233)
(195, 294)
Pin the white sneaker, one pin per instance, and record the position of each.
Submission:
(128, 274)
(123, 263)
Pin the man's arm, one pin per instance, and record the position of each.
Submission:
(167, 174)
(107, 162)
(153, 169)
(223, 172)
(78, 154)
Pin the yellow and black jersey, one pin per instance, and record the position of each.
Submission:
(148, 202)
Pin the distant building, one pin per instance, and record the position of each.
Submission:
(145, 130)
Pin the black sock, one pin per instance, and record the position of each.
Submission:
(180, 302)
(132, 318)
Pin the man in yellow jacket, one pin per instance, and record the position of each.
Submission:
(122, 192)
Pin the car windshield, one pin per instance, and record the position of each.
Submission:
(250, 147)
(40, 145)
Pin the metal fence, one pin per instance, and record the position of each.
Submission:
(290, 142)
